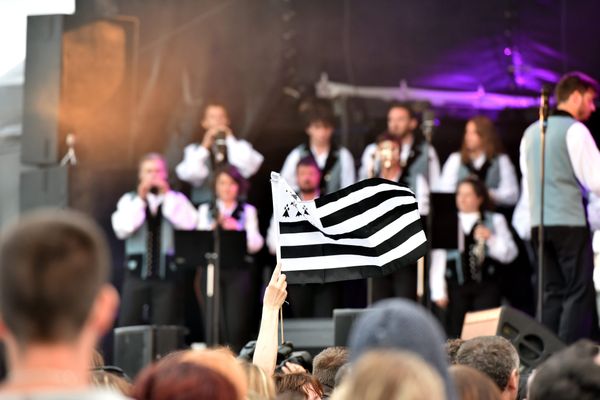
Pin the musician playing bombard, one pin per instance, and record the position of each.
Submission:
(146, 220)
(466, 279)
(416, 156)
(388, 165)
(218, 146)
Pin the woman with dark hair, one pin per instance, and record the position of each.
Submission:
(481, 155)
(232, 214)
(466, 279)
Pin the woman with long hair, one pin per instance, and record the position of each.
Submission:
(481, 155)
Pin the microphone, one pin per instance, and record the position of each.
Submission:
(220, 147)
(428, 124)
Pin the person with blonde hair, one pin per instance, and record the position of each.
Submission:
(391, 375)
(260, 385)
(111, 378)
(401, 325)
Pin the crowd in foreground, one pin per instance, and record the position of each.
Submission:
(56, 302)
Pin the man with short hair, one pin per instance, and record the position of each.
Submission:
(401, 283)
(55, 304)
(199, 160)
(335, 162)
(312, 299)
(572, 162)
(146, 220)
(308, 178)
(414, 156)
(497, 358)
(326, 365)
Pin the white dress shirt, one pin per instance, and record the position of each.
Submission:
(366, 162)
(254, 240)
(193, 168)
(131, 212)
(507, 192)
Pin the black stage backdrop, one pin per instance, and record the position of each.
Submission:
(260, 57)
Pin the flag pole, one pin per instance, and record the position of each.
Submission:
(275, 192)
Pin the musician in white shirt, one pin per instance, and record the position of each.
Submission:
(236, 287)
(146, 219)
(199, 158)
(466, 279)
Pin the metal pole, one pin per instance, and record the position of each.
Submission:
(543, 125)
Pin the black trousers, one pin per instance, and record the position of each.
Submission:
(472, 296)
(236, 299)
(569, 298)
(150, 301)
(402, 283)
(315, 300)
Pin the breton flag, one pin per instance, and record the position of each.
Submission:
(368, 229)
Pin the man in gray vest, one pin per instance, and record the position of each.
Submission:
(415, 164)
(335, 162)
(572, 165)
(146, 220)
(415, 154)
(218, 146)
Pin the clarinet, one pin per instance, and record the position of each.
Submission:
(478, 255)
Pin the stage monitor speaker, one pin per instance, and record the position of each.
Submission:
(533, 341)
(343, 319)
(310, 334)
(137, 346)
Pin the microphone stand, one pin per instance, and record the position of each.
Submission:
(213, 260)
(544, 99)
(428, 125)
(213, 269)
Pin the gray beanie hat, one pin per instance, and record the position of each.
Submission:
(402, 325)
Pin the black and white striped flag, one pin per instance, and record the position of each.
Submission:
(368, 229)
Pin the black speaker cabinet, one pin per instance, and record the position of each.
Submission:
(343, 318)
(137, 346)
(534, 342)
